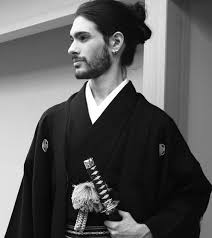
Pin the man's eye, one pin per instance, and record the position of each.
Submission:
(83, 38)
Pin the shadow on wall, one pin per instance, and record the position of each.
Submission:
(184, 16)
(198, 18)
(35, 52)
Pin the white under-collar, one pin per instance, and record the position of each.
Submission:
(95, 110)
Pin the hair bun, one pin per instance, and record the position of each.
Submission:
(138, 10)
(139, 13)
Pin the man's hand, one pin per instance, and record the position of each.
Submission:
(127, 227)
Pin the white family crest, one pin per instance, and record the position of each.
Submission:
(162, 149)
(45, 145)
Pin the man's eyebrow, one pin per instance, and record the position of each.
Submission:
(77, 34)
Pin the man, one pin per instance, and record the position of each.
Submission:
(137, 148)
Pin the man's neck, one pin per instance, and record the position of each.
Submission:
(102, 86)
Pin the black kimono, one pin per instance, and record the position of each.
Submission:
(139, 152)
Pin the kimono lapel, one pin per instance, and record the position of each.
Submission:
(97, 140)
(79, 121)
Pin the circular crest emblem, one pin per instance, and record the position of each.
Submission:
(162, 149)
(45, 145)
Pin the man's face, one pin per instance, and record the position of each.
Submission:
(89, 51)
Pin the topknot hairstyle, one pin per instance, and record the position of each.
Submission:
(111, 16)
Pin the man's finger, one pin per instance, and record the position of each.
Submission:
(111, 224)
(112, 232)
(123, 213)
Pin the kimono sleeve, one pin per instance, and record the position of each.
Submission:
(185, 191)
(21, 222)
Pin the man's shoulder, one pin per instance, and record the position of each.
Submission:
(151, 112)
(57, 110)
(54, 109)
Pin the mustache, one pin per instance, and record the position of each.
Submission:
(78, 58)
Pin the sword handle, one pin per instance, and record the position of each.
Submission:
(109, 206)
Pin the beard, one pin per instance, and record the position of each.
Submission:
(97, 66)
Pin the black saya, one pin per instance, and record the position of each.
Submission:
(109, 206)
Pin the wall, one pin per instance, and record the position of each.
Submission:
(15, 13)
(35, 73)
(200, 93)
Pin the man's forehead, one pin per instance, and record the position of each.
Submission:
(81, 24)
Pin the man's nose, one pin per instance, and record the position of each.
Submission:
(73, 49)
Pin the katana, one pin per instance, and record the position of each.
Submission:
(109, 205)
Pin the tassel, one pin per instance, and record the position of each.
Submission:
(86, 199)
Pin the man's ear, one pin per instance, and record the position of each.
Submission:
(116, 42)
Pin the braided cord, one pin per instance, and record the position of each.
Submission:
(81, 220)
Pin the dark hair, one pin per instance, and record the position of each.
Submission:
(111, 16)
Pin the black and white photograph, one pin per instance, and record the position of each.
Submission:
(105, 123)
